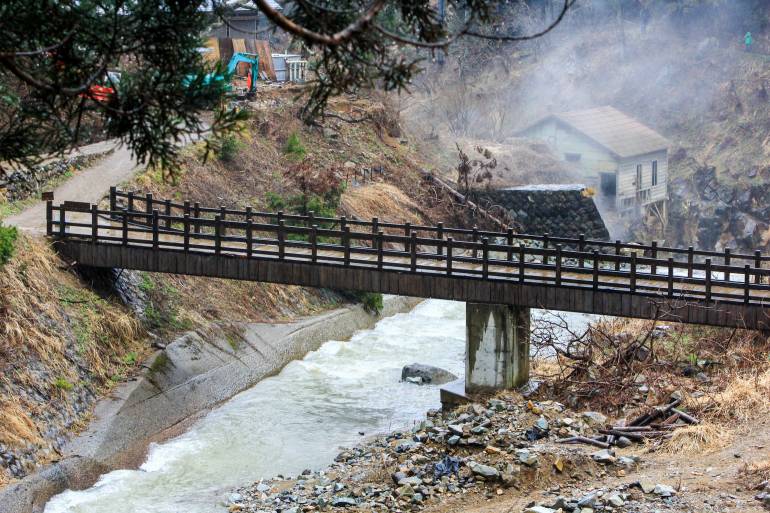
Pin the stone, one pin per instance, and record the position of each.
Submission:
(483, 470)
(587, 501)
(412, 481)
(663, 490)
(603, 456)
(456, 429)
(453, 440)
(527, 458)
(627, 461)
(539, 509)
(615, 500)
(427, 374)
(344, 502)
(417, 380)
(542, 424)
(646, 486)
(594, 418)
(405, 491)
(623, 442)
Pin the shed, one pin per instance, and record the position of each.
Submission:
(623, 159)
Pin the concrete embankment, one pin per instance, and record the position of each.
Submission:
(193, 374)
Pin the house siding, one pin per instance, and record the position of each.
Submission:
(594, 159)
(627, 188)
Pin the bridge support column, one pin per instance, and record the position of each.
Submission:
(497, 347)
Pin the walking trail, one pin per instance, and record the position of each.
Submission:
(88, 185)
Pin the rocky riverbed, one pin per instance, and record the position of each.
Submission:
(483, 449)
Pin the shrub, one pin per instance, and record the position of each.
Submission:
(295, 150)
(63, 384)
(372, 301)
(229, 148)
(8, 235)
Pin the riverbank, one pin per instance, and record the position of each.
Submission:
(191, 375)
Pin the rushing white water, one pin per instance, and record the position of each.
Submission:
(296, 420)
(290, 422)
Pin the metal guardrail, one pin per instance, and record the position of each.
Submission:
(134, 220)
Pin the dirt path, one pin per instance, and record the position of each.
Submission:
(88, 185)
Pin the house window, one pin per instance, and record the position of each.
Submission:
(572, 157)
(654, 172)
(638, 177)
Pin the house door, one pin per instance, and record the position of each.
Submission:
(608, 183)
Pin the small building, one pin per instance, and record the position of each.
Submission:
(625, 161)
(244, 23)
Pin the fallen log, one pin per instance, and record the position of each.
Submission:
(686, 416)
(583, 440)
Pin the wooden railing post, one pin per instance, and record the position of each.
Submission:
(62, 222)
(449, 242)
(758, 266)
(440, 236)
(596, 269)
(49, 217)
(545, 248)
(690, 260)
(509, 240)
(375, 225)
(475, 241)
(131, 201)
(249, 236)
(407, 234)
(281, 237)
(167, 209)
(346, 245)
(186, 232)
(222, 219)
(708, 279)
(197, 216)
(344, 224)
(148, 208)
(484, 257)
(310, 218)
(217, 235)
(654, 255)
(746, 283)
(314, 243)
(380, 248)
(727, 263)
(522, 263)
(581, 249)
(155, 234)
(558, 264)
(413, 251)
(633, 272)
(113, 201)
(124, 235)
(670, 277)
(617, 254)
(94, 224)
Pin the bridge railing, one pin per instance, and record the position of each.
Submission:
(341, 241)
(136, 202)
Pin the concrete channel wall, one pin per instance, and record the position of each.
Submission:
(193, 374)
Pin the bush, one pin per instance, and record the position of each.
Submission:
(229, 148)
(295, 150)
(372, 301)
(8, 235)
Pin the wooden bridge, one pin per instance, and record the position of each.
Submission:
(472, 265)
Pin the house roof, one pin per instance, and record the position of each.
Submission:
(614, 130)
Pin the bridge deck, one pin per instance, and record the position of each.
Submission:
(577, 275)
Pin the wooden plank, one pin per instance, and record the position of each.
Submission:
(265, 58)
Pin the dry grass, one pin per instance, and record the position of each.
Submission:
(55, 336)
(380, 200)
(743, 398)
(699, 439)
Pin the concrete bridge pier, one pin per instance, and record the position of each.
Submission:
(497, 351)
(497, 347)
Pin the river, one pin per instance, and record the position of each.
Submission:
(295, 420)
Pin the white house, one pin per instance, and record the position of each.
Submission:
(623, 159)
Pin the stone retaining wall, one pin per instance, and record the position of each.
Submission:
(20, 184)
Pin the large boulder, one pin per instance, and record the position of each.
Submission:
(419, 373)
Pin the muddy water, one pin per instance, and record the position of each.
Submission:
(290, 422)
